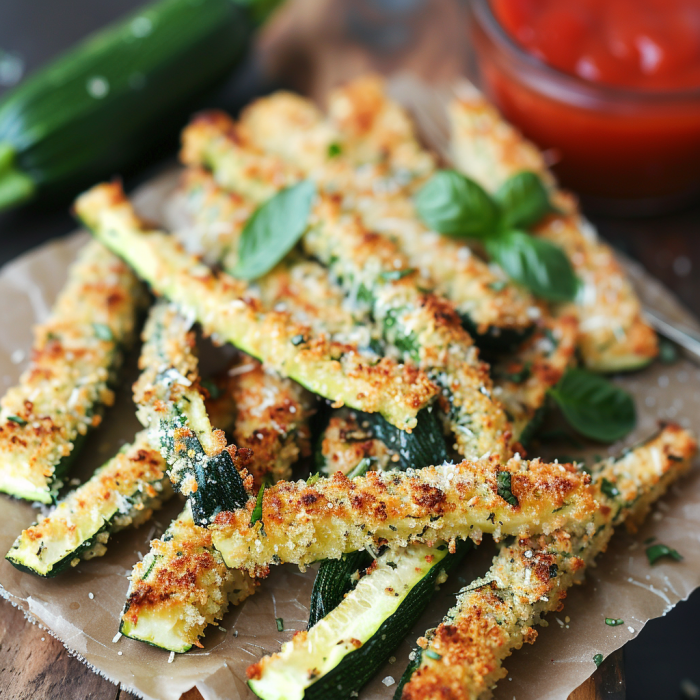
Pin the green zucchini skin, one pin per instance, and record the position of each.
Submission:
(334, 579)
(424, 446)
(495, 341)
(104, 103)
(358, 667)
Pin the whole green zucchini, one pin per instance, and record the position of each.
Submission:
(102, 105)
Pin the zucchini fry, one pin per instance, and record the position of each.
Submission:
(60, 396)
(302, 523)
(613, 334)
(171, 405)
(124, 492)
(181, 586)
(269, 416)
(462, 658)
(222, 306)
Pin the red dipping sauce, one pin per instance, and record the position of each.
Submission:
(612, 86)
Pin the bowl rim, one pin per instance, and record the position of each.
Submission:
(483, 15)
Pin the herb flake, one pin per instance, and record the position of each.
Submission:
(660, 551)
(280, 624)
(614, 621)
(503, 482)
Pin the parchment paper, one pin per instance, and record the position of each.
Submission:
(622, 586)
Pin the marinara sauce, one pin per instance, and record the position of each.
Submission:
(612, 86)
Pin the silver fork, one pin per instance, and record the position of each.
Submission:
(428, 105)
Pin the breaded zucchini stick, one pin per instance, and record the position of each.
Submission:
(613, 333)
(76, 353)
(181, 586)
(224, 309)
(302, 522)
(171, 405)
(124, 492)
(462, 657)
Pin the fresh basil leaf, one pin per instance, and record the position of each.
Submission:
(257, 511)
(535, 263)
(524, 200)
(657, 551)
(273, 230)
(503, 486)
(594, 406)
(453, 204)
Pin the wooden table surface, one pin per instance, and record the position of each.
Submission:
(315, 44)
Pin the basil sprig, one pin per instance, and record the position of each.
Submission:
(455, 205)
(273, 230)
(594, 406)
(523, 199)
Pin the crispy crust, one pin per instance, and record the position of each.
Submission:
(269, 416)
(496, 614)
(613, 334)
(184, 580)
(224, 309)
(302, 523)
(73, 362)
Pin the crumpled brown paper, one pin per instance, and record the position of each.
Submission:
(623, 585)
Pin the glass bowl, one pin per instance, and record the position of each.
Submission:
(625, 150)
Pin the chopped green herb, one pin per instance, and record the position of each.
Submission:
(313, 478)
(503, 482)
(608, 488)
(211, 387)
(392, 564)
(257, 511)
(17, 419)
(280, 624)
(598, 659)
(334, 149)
(298, 339)
(393, 275)
(103, 331)
(659, 551)
(433, 655)
(614, 622)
